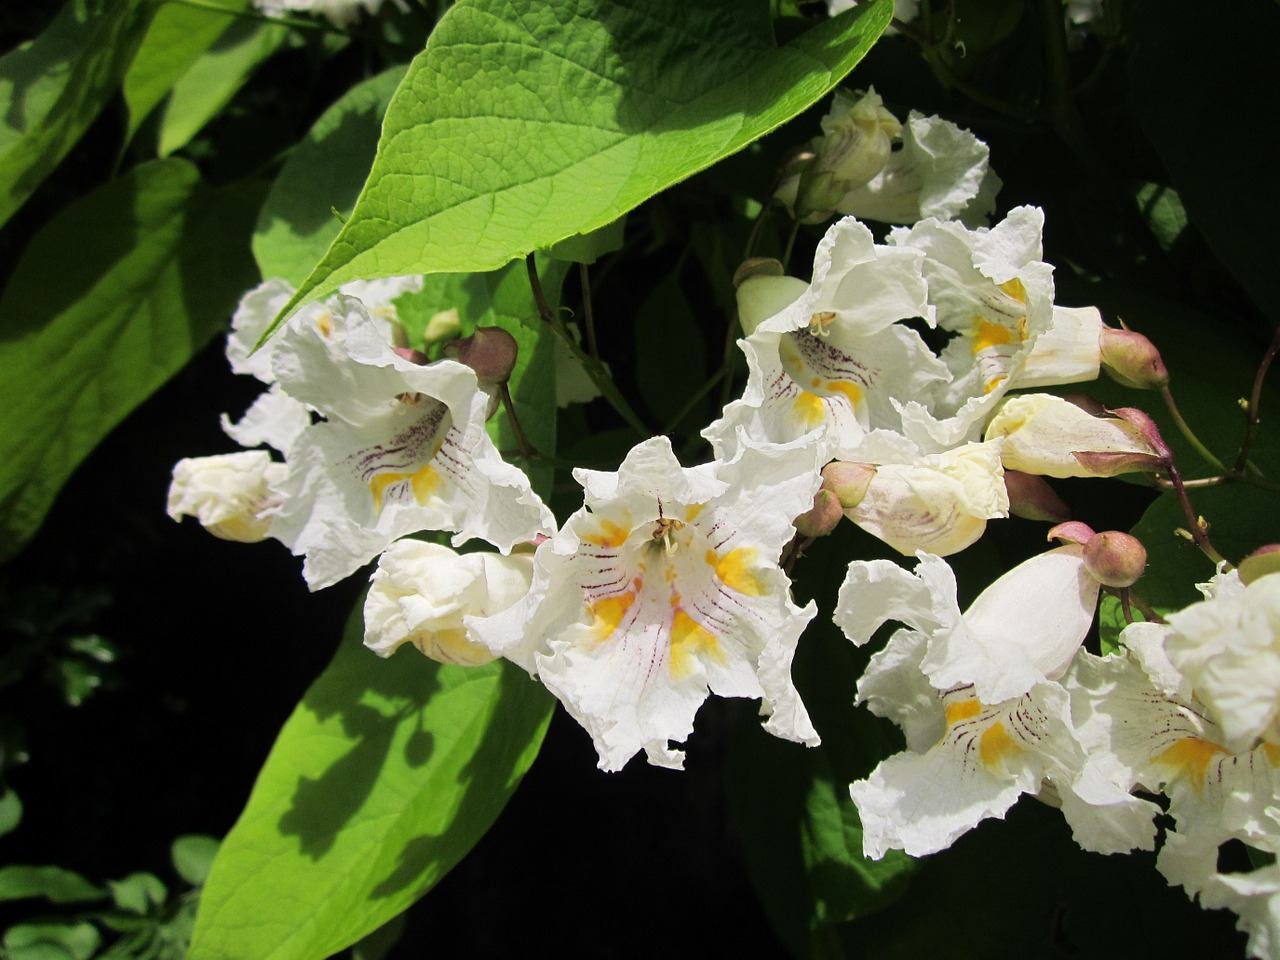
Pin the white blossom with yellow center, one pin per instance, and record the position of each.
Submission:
(402, 448)
(666, 587)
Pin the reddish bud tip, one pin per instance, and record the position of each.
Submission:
(490, 351)
(1263, 561)
(1115, 559)
(413, 356)
(1131, 359)
(848, 481)
(1073, 531)
(823, 517)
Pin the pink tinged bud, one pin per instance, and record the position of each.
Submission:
(823, 517)
(1148, 428)
(1260, 563)
(413, 356)
(1087, 403)
(1031, 498)
(1072, 531)
(1131, 359)
(848, 481)
(1115, 559)
(490, 351)
(1114, 464)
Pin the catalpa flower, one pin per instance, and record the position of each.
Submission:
(663, 588)
(404, 448)
(833, 357)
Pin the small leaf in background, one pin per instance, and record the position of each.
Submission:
(670, 355)
(193, 856)
(111, 298)
(51, 940)
(53, 88)
(378, 944)
(176, 38)
(49, 883)
(10, 811)
(138, 892)
(522, 125)
(387, 773)
(324, 173)
(590, 247)
(212, 80)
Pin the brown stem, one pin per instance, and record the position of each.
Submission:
(1255, 402)
(526, 448)
(588, 315)
(544, 308)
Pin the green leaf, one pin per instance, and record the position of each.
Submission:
(193, 856)
(590, 247)
(177, 37)
(1226, 85)
(670, 355)
(212, 80)
(324, 173)
(52, 88)
(10, 811)
(523, 123)
(387, 773)
(50, 883)
(51, 940)
(138, 892)
(110, 299)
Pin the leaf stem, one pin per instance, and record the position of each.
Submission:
(1255, 403)
(526, 448)
(588, 315)
(1185, 429)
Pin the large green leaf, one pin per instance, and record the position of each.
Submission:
(321, 180)
(523, 123)
(214, 78)
(1188, 63)
(385, 775)
(52, 88)
(111, 298)
(177, 37)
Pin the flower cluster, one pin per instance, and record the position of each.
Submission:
(896, 388)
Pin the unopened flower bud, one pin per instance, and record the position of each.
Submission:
(1031, 498)
(1115, 559)
(1148, 428)
(490, 351)
(758, 267)
(442, 326)
(823, 517)
(856, 143)
(848, 481)
(1131, 359)
(1073, 531)
(1260, 563)
(231, 494)
(763, 294)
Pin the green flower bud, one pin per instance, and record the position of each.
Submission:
(1131, 359)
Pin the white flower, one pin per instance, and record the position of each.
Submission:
(1043, 433)
(1228, 648)
(1022, 630)
(404, 448)
(937, 503)
(232, 495)
(941, 171)
(340, 13)
(991, 290)
(421, 592)
(967, 760)
(833, 358)
(665, 587)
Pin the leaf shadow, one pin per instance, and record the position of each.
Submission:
(323, 806)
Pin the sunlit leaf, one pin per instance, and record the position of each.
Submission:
(523, 123)
(52, 88)
(324, 174)
(193, 856)
(50, 883)
(385, 775)
(178, 35)
(113, 296)
(213, 79)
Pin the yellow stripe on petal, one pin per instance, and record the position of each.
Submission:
(987, 334)
(1015, 289)
(809, 407)
(851, 391)
(423, 483)
(996, 746)
(1272, 753)
(688, 639)
(735, 570)
(379, 484)
(1190, 757)
(610, 534)
(607, 614)
(962, 710)
(691, 512)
